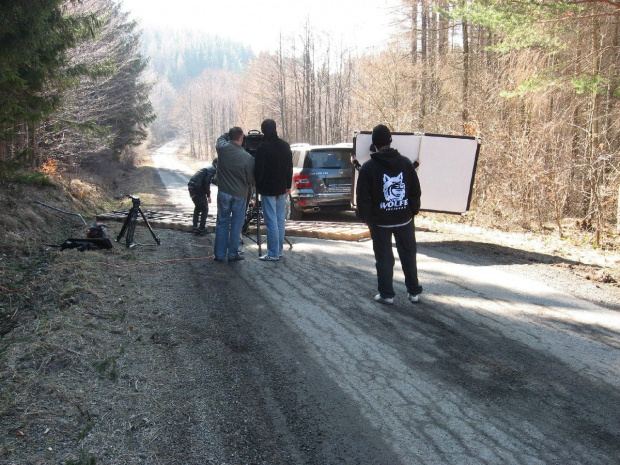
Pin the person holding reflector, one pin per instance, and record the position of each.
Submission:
(388, 197)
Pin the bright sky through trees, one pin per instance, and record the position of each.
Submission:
(361, 24)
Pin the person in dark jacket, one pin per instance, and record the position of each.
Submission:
(273, 174)
(199, 187)
(388, 197)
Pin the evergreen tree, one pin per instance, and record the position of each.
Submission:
(110, 107)
(135, 112)
(35, 36)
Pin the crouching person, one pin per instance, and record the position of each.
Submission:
(199, 187)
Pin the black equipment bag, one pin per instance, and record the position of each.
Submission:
(87, 244)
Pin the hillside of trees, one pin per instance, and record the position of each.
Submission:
(537, 81)
(181, 55)
(70, 81)
(178, 59)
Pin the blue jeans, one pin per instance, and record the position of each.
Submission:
(384, 257)
(230, 217)
(274, 212)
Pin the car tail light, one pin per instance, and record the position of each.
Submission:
(302, 181)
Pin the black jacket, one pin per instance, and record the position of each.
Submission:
(200, 183)
(388, 189)
(273, 166)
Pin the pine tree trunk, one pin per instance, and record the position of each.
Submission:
(465, 95)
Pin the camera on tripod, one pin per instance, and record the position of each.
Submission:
(252, 140)
(129, 226)
(135, 201)
(254, 210)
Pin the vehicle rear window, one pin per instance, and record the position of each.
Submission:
(329, 159)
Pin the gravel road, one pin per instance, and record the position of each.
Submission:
(512, 356)
(509, 358)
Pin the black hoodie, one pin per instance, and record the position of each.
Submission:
(388, 189)
(273, 166)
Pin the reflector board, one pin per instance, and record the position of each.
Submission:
(446, 171)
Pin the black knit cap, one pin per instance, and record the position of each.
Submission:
(381, 136)
(268, 127)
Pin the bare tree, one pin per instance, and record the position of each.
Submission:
(108, 108)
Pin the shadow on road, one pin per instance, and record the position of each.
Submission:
(488, 254)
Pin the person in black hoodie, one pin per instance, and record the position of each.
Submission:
(273, 172)
(388, 197)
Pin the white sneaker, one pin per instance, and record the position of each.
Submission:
(267, 258)
(384, 300)
(413, 298)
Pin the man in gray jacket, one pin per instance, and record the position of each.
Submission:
(235, 177)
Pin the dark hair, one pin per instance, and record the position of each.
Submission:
(235, 132)
(381, 136)
(268, 127)
(214, 162)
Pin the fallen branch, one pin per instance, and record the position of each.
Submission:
(61, 211)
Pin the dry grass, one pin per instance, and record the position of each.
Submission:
(63, 328)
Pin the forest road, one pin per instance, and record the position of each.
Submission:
(292, 362)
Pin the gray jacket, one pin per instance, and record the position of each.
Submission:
(235, 168)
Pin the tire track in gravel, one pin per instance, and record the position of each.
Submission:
(466, 377)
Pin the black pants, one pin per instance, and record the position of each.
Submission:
(201, 209)
(384, 257)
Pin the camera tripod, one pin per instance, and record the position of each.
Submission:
(129, 226)
(254, 212)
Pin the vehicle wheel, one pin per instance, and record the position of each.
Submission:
(294, 214)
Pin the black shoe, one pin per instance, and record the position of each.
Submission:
(201, 231)
(237, 258)
(219, 260)
(195, 230)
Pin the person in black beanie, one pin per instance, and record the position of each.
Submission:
(199, 187)
(273, 172)
(388, 197)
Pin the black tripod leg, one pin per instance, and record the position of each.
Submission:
(249, 212)
(249, 216)
(124, 228)
(149, 226)
(258, 238)
(131, 227)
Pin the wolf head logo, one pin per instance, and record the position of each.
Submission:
(393, 187)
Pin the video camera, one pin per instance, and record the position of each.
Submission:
(252, 140)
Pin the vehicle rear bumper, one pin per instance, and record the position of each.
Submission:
(320, 202)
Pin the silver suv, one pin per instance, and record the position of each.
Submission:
(322, 177)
